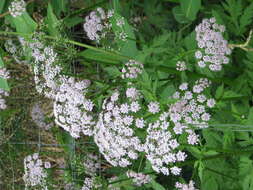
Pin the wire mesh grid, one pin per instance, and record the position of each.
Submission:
(15, 171)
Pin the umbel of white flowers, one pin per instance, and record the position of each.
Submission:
(214, 48)
(17, 8)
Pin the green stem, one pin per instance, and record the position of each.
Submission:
(70, 42)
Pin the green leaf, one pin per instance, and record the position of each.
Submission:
(190, 8)
(2, 3)
(100, 57)
(190, 41)
(209, 182)
(73, 21)
(156, 186)
(126, 47)
(59, 6)
(219, 91)
(246, 18)
(113, 71)
(3, 82)
(234, 8)
(231, 94)
(24, 23)
(52, 22)
(179, 15)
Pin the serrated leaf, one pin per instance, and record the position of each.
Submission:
(246, 18)
(113, 71)
(59, 6)
(219, 91)
(190, 8)
(52, 22)
(190, 41)
(179, 15)
(127, 46)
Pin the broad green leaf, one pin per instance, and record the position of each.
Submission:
(219, 91)
(113, 71)
(190, 41)
(156, 186)
(190, 8)
(217, 16)
(179, 15)
(209, 182)
(100, 57)
(52, 22)
(231, 94)
(2, 3)
(59, 6)
(72, 21)
(24, 23)
(127, 46)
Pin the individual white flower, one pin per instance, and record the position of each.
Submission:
(131, 69)
(181, 66)
(153, 107)
(181, 186)
(175, 170)
(210, 103)
(140, 123)
(139, 179)
(183, 86)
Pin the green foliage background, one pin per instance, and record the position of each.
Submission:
(222, 161)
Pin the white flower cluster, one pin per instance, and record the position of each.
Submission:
(96, 24)
(113, 133)
(3, 93)
(121, 35)
(46, 72)
(88, 183)
(181, 186)
(213, 47)
(72, 110)
(35, 174)
(181, 66)
(15, 51)
(39, 118)
(17, 8)
(132, 69)
(139, 179)
(91, 164)
(160, 147)
(190, 109)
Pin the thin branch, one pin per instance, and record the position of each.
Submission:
(244, 45)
